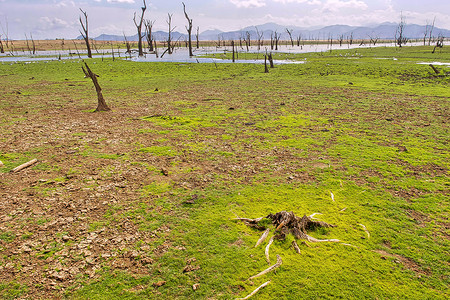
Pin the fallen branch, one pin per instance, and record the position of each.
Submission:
(249, 220)
(365, 229)
(269, 269)
(267, 250)
(255, 291)
(263, 237)
(434, 69)
(25, 165)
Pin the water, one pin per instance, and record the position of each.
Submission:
(181, 55)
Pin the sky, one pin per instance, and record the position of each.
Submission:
(50, 19)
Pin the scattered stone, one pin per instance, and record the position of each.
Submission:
(1, 164)
(195, 286)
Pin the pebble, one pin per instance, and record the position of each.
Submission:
(1, 164)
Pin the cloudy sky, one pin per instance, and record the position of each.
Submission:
(49, 19)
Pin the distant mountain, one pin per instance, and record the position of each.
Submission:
(381, 31)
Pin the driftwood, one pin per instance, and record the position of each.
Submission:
(25, 165)
(255, 291)
(269, 269)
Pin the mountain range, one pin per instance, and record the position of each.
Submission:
(380, 31)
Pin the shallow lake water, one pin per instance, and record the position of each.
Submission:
(181, 55)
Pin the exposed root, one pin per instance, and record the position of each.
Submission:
(269, 269)
(267, 250)
(312, 216)
(350, 245)
(255, 291)
(250, 220)
(332, 196)
(314, 240)
(365, 229)
(296, 247)
(263, 237)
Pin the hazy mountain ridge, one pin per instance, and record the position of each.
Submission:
(381, 31)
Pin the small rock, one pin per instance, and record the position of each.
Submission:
(1, 164)
(195, 286)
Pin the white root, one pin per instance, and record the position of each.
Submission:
(296, 247)
(312, 216)
(25, 165)
(269, 269)
(263, 237)
(267, 250)
(314, 240)
(332, 196)
(255, 291)
(365, 229)
(344, 209)
(350, 245)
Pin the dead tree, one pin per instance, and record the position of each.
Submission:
(260, 37)
(84, 33)
(439, 42)
(299, 39)
(341, 40)
(101, 101)
(2, 50)
(197, 36)
(139, 28)
(189, 30)
(247, 40)
(169, 38)
(373, 39)
(289, 32)
(148, 34)
(400, 32)
(431, 32)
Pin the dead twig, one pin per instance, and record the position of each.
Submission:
(269, 269)
(314, 240)
(332, 196)
(267, 250)
(255, 291)
(263, 237)
(25, 165)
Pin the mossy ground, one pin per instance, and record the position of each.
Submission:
(125, 199)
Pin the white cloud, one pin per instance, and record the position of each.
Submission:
(248, 3)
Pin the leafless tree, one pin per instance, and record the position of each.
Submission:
(439, 42)
(171, 29)
(85, 33)
(139, 28)
(350, 39)
(400, 32)
(101, 101)
(2, 50)
(260, 38)
(148, 34)
(247, 40)
(189, 29)
(5, 32)
(299, 39)
(197, 37)
(31, 49)
(373, 39)
(431, 32)
(289, 32)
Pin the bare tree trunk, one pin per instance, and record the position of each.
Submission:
(260, 37)
(289, 32)
(2, 50)
(431, 32)
(399, 35)
(139, 28)
(84, 33)
(189, 30)
(101, 101)
(169, 39)
(232, 45)
(197, 36)
(148, 34)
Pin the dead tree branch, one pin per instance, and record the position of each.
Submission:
(101, 101)
(139, 28)
(85, 33)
